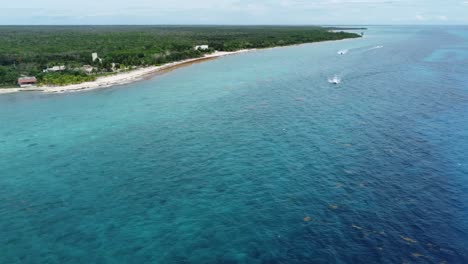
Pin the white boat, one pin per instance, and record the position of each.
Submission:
(343, 52)
(334, 80)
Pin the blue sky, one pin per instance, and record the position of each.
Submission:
(335, 12)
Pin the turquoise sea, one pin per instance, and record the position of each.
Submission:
(251, 158)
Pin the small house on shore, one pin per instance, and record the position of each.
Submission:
(87, 69)
(27, 81)
(201, 47)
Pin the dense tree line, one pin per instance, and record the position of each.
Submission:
(27, 50)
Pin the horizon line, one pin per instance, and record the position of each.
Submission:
(292, 25)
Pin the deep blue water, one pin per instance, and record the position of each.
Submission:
(253, 158)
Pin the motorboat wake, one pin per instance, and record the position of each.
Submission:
(335, 80)
(343, 52)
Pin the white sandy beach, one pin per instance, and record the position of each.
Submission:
(119, 78)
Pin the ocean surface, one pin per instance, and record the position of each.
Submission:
(251, 158)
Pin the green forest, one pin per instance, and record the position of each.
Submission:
(28, 50)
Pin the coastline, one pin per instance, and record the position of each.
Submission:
(136, 74)
(121, 78)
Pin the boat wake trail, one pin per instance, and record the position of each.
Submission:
(376, 47)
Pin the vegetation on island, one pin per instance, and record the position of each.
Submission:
(28, 50)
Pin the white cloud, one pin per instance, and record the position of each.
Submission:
(420, 17)
(442, 18)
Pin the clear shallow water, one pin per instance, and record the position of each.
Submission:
(221, 162)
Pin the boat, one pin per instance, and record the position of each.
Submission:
(343, 52)
(334, 80)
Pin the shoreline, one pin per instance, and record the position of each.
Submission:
(138, 74)
(122, 77)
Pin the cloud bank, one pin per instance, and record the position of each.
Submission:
(292, 12)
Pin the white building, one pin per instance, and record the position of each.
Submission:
(55, 69)
(114, 67)
(96, 57)
(87, 68)
(201, 47)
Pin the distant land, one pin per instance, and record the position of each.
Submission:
(64, 55)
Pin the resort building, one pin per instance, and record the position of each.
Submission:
(201, 47)
(87, 68)
(96, 57)
(27, 81)
(55, 69)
